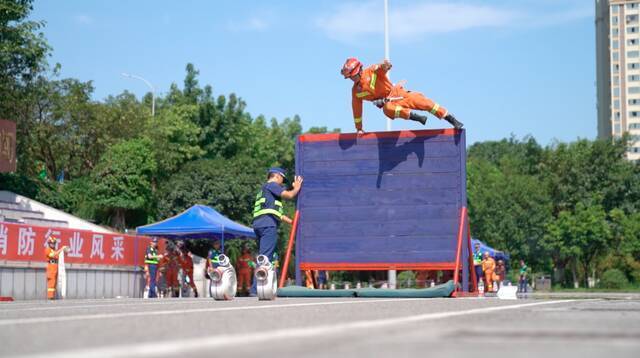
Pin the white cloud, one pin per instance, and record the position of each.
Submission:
(83, 19)
(351, 21)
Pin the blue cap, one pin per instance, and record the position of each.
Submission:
(278, 171)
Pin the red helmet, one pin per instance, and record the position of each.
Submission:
(351, 67)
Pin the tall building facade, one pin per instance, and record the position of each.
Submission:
(618, 70)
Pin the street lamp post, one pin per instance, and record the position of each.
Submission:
(153, 91)
(386, 42)
(391, 273)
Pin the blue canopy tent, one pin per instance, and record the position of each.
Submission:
(197, 222)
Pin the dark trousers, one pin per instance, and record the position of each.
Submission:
(267, 240)
(153, 269)
(522, 284)
(479, 274)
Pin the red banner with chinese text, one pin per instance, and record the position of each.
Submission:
(20, 242)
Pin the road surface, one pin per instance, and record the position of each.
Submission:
(338, 327)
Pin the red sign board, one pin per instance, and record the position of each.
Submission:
(19, 242)
(7, 146)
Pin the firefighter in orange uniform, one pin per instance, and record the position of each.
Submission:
(372, 84)
(186, 262)
(51, 255)
(245, 267)
(169, 266)
(488, 266)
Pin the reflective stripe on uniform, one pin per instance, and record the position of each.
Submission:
(357, 120)
(398, 109)
(362, 94)
(372, 84)
(260, 209)
(51, 289)
(151, 257)
(277, 213)
(435, 108)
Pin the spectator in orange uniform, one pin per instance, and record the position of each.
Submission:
(488, 266)
(169, 266)
(245, 267)
(372, 84)
(51, 255)
(500, 273)
(186, 262)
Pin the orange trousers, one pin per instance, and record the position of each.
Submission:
(488, 281)
(52, 280)
(171, 277)
(191, 283)
(244, 279)
(401, 108)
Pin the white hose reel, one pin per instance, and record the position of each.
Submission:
(267, 283)
(223, 280)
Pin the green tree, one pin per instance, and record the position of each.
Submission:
(577, 238)
(322, 130)
(624, 252)
(228, 185)
(122, 180)
(23, 53)
(175, 138)
(508, 210)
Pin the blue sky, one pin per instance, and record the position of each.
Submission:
(501, 66)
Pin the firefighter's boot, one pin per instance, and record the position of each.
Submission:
(418, 118)
(454, 122)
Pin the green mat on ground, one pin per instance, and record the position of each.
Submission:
(443, 290)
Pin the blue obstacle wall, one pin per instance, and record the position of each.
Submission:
(388, 200)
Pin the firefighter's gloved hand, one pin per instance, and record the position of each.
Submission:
(379, 103)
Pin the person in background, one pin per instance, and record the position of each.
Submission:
(488, 266)
(522, 281)
(477, 262)
(169, 266)
(52, 255)
(500, 273)
(151, 260)
(322, 276)
(186, 262)
(213, 259)
(245, 266)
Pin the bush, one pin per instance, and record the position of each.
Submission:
(406, 279)
(614, 279)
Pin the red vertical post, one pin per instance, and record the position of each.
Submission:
(456, 272)
(471, 266)
(292, 235)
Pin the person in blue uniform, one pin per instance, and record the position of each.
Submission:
(268, 212)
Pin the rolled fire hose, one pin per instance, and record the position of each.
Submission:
(223, 280)
(267, 283)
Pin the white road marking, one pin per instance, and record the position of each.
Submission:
(182, 346)
(122, 304)
(40, 320)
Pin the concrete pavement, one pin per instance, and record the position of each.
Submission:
(246, 327)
